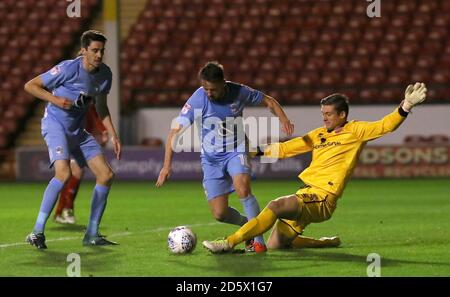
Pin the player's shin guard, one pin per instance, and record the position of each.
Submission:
(48, 202)
(256, 226)
(68, 194)
(98, 205)
(252, 209)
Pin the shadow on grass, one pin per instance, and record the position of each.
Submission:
(289, 262)
(92, 259)
(337, 255)
(67, 227)
(236, 264)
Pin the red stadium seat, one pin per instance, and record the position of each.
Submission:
(337, 21)
(342, 7)
(331, 77)
(375, 77)
(315, 63)
(262, 79)
(369, 96)
(323, 49)
(351, 34)
(299, 97)
(337, 63)
(388, 48)
(359, 62)
(285, 79)
(382, 62)
(365, 49)
(344, 48)
(352, 77)
(420, 74)
(399, 77)
(317, 43)
(441, 76)
(307, 78)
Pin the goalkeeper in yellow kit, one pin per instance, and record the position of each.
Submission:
(335, 150)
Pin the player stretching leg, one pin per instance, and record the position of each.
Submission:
(73, 85)
(226, 168)
(335, 151)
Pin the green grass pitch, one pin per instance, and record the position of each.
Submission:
(406, 222)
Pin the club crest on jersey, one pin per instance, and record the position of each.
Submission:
(185, 109)
(322, 139)
(59, 150)
(55, 70)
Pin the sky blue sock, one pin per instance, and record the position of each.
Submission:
(98, 205)
(252, 210)
(48, 202)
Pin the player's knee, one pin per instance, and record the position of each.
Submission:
(278, 240)
(76, 171)
(275, 205)
(106, 177)
(243, 193)
(219, 215)
(63, 175)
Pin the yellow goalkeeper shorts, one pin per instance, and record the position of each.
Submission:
(314, 206)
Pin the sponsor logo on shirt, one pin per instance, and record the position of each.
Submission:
(186, 108)
(55, 70)
(323, 145)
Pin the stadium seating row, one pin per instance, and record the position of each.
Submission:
(298, 49)
(34, 35)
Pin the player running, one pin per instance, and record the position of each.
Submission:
(218, 105)
(73, 85)
(335, 151)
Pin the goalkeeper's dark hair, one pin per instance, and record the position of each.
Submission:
(212, 72)
(91, 35)
(339, 101)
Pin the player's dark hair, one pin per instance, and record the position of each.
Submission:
(212, 72)
(92, 35)
(339, 101)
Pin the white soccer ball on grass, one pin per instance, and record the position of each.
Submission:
(181, 240)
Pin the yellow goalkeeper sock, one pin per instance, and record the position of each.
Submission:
(256, 226)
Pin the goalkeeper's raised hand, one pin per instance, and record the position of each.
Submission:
(414, 95)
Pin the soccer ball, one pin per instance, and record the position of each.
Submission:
(181, 240)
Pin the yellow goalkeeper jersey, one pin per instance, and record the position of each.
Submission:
(335, 153)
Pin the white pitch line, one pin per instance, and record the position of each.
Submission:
(6, 245)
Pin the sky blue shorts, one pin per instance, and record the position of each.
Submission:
(82, 147)
(218, 175)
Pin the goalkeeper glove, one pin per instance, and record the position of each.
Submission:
(414, 95)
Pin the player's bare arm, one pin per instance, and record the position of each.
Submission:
(168, 155)
(276, 109)
(103, 112)
(35, 87)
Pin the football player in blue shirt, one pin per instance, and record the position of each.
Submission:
(68, 88)
(219, 104)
